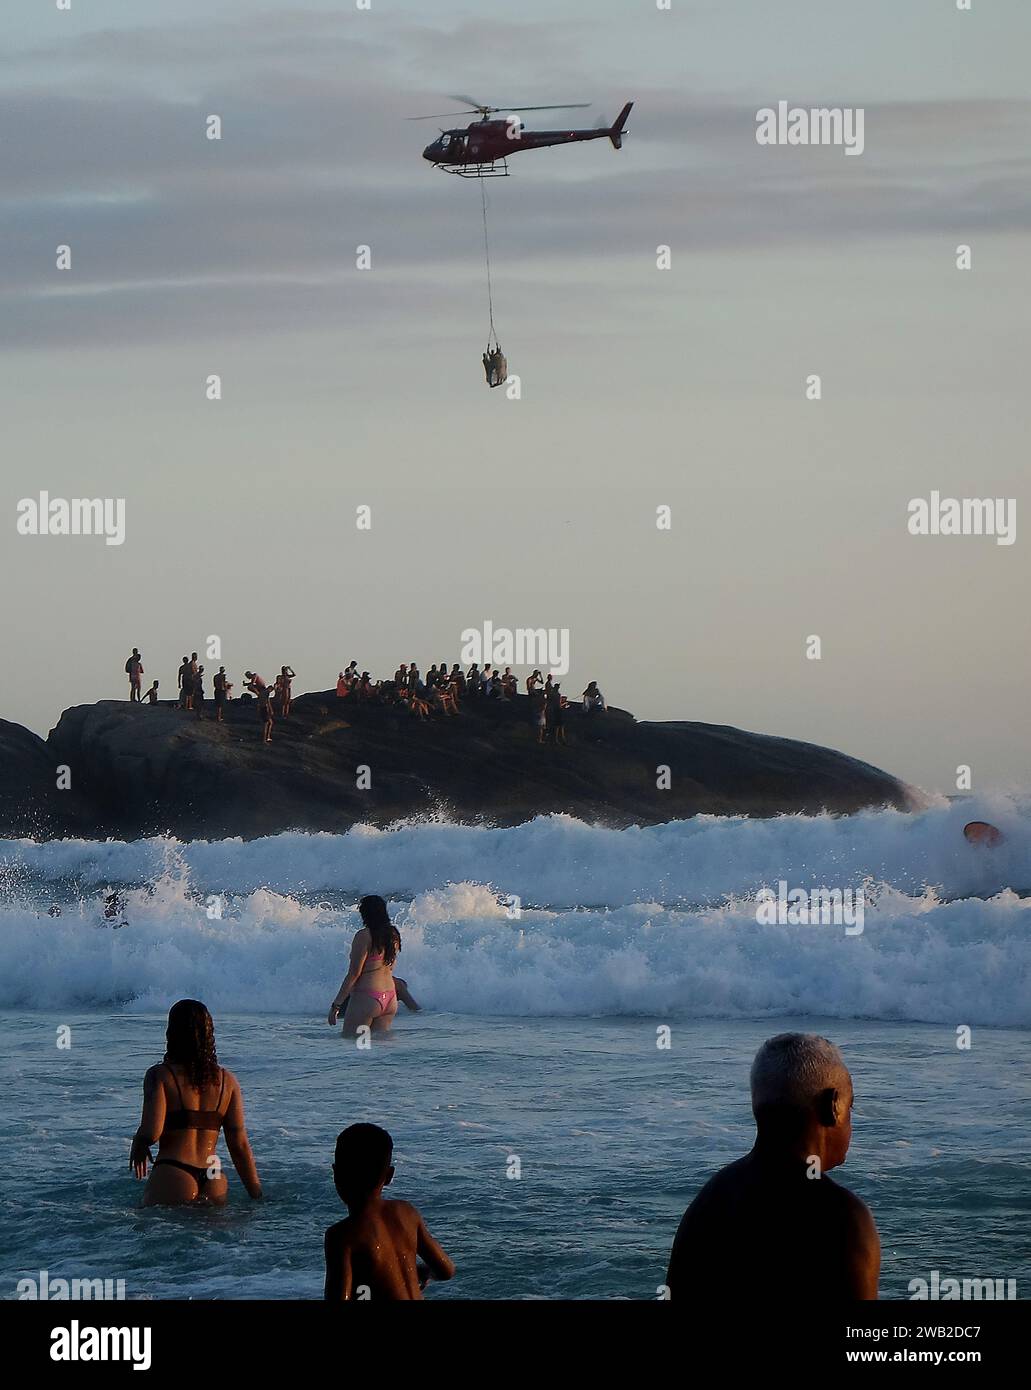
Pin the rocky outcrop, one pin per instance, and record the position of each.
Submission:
(31, 801)
(140, 769)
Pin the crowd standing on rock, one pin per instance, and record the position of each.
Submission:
(438, 694)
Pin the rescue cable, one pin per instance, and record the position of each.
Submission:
(486, 248)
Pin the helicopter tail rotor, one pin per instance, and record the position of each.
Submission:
(616, 133)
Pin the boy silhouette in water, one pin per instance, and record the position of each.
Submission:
(374, 1252)
(773, 1224)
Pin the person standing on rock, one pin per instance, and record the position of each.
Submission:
(261, 690)
(193, 680)
(198, 692)
(556, 715)
(134, 670)
(222, 689)
(286, 675)
(538, 711)
(184, 681)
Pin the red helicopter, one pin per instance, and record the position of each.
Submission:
(478, 150)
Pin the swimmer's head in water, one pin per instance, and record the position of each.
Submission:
(361, 1164)
(190, 1041)
(981, 832)
(800, 1082)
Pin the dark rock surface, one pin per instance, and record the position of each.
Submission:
(139, 770)
(30, 802)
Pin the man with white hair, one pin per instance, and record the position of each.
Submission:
(773, 1224)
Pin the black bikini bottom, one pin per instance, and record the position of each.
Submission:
(199, 1175)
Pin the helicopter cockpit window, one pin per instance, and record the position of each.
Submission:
(445, 140)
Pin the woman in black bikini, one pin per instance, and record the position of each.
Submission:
(187, 1099)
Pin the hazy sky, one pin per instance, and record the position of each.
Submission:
(640, 387)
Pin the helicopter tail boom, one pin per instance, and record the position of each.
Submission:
(616, 132)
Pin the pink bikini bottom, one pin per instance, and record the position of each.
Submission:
(382, 997)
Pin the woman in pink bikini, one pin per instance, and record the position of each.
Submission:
(369, 987)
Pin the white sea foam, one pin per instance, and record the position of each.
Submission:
(655, 922)
(558, 861)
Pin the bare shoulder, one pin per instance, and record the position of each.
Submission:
(152, 1077)
(723, 1184)
(403, 1212)
(714, 1197)
(862, 1244)
(229, 1078)
(857, 1215)
(337, 1234)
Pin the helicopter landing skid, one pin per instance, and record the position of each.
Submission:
(478, 171)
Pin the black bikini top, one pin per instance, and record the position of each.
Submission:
(195, 1119)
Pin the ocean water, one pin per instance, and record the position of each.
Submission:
(546, 957)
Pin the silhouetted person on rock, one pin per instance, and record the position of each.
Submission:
(222, 688)
(134, 670)
(594, 700)
(555, 716)
(258, 687)
(184, 682)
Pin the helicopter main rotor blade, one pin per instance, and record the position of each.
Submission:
(471, 101)
(441, 115)
(566, 106)
(476, 109)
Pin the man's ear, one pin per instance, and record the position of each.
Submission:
(390, 1176)
(830, 1108)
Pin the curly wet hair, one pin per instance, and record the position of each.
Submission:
(190, 1042)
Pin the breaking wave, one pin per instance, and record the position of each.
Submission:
(548, 919)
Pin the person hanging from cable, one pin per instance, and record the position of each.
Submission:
(495, 365)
